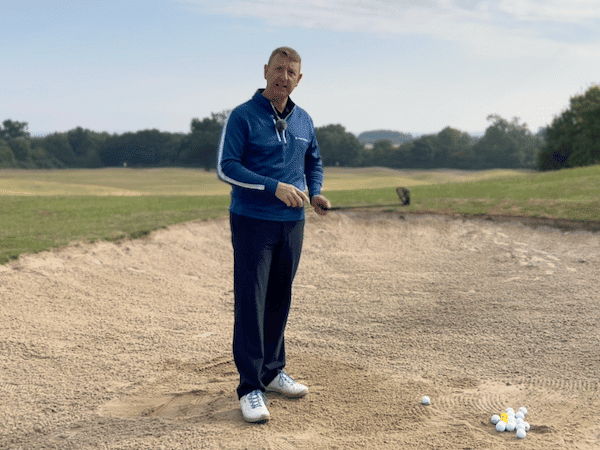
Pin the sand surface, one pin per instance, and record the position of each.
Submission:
(128, 345)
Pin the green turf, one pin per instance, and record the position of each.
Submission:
(36, 223)
(569, 194)
(40, 210)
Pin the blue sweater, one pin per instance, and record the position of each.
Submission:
(254, 156)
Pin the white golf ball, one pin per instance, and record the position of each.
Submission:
(426, 400)
(521, 433)
(527, 426)
(501, 426)
(523, 410)
(511, 425)
(495, 419)
(510, 411)
(520, 425)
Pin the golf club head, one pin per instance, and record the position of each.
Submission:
(403, 195)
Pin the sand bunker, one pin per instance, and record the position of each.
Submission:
(128, 345)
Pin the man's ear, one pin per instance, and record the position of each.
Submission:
(300, 77)
(266, 70)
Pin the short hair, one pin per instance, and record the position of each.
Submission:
(288, 52)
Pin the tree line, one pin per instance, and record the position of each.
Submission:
(83, 148)
(571, 140)
(504, 145)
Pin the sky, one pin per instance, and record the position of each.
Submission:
(415, 66)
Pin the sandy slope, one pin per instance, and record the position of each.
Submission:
(127, 345)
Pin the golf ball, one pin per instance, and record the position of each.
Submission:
(523, 410)
(527, 426)
(520, 415)
(501, 426)
(426, 400)
(495, 419)
(521, 433)
(510, 426)
(510, 410)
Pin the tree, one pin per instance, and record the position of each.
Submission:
(57, 146)
(397, 138)
(422, 152)
(339, 147)
(86, 145)
(506, 144)
(586, 142)
(381, 155)
(573, 138)
(452, 149)
(7, 157)
(200, 147)
(13, 130)
(40, 158)
(142, 148)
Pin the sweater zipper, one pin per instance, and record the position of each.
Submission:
(277, 131)
(275, 123)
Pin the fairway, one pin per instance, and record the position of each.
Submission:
(43, 209)
(380, 177)
(111, 182)
(176, 181)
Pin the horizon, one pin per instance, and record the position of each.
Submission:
(414, 135)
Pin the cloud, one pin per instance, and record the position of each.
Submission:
(483, 27)
(557, 11)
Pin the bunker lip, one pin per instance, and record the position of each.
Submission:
(591, 226)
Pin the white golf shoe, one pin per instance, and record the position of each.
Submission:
(285, 385)
(254, 407)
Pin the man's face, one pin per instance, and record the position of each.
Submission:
(282, 75)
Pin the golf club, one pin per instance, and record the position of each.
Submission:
(403, 195)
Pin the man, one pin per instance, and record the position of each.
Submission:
(270, 156)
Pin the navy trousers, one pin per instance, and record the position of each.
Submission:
(266, 256)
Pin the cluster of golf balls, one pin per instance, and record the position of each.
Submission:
(511, 421)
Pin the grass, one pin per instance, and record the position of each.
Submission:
(567, 194)
(40, 210)
(32, 224)
(377, 177)
(111, 182)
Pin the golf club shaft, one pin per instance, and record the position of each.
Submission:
(403, 195)
(342, 208)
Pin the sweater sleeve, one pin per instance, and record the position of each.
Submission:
(313, 168)
(230, 168)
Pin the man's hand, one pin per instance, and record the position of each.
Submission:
(321, 204)
(291, 195)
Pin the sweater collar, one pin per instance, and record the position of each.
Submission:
(289, 107)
